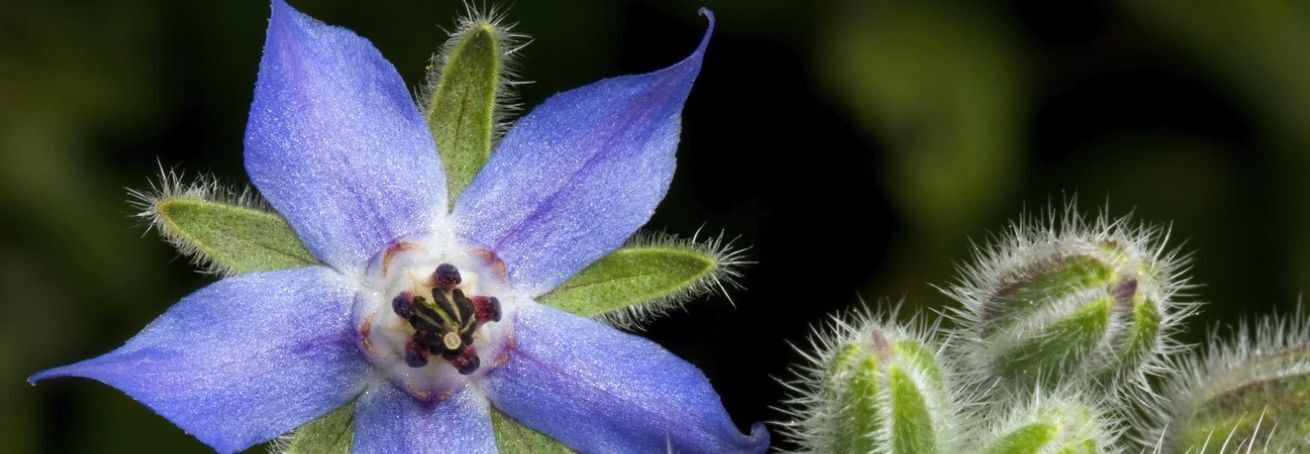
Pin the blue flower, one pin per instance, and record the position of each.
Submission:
(423, 313)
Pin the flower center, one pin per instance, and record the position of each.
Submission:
(427, 318)
(444, 319)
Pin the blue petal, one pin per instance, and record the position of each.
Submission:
(243, 360)
(336, 143)
(597, 389)
(388, 420)
(575, 177)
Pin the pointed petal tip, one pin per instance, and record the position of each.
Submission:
(54, 372)
(32, 379)
(705, 39)
(709, 29)
(758, 439)
(280, 8)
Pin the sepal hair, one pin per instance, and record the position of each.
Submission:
(174, 185)
(511, 44)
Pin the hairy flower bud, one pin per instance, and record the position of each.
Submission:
(1249, 394)
(1067, 299)
(873, 387)
(1062, 421)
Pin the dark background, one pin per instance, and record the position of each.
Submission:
(856, 146)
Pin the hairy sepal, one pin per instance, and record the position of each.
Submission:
(223, 231)
(469, 92)
(1247, 393)
(652, 275)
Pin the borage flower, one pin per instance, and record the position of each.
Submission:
(421, 314)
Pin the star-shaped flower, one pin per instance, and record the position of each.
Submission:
(421, 314)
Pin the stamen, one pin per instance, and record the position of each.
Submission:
(467, 362)
(403, 304)
(488, 308)
(446, 276)
(415, 354)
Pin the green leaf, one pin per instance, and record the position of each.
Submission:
(332, 433)
(461, 109)
(228, 237)
(645, 278)
(512, 437)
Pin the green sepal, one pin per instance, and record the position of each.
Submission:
(1041, 285)
(332, 433)
(229, 238)
(912, 428)
(1058, 349)
(1261, 402)
(1060, 423)
(1269, 415)
(461, 105)
(1029, 439)
(855, 379)
(513, 438)
(644, 278)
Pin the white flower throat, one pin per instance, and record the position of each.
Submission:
(429, 318)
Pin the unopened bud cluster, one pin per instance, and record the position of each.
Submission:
(1063, 342)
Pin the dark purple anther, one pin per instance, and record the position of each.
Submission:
(446, 276)
(488, 308)
(415, 354)
(467, 361)
(403, 304)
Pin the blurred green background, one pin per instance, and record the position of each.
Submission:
(859, 146)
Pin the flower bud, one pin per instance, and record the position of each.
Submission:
(1058, 301)
(874, 388)
(1062, 422)
(1249, 394)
